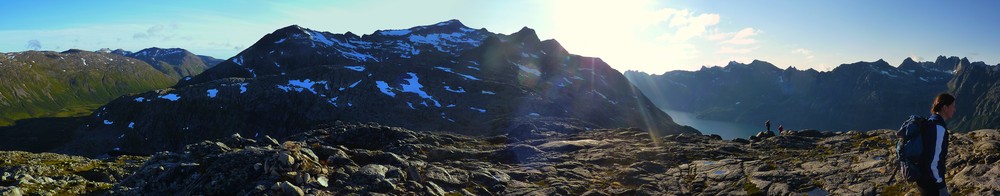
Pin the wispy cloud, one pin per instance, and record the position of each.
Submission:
(743, 37)
(807, 53)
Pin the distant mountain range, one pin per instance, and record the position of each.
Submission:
(55, 86)
(174, 62)
(856, 96)
(439, 77)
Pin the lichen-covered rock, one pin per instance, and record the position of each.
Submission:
(27, 173)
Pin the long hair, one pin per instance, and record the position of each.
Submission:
(942, 100)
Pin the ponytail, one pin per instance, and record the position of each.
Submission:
(942, 100)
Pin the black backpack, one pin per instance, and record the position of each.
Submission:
(910, 146)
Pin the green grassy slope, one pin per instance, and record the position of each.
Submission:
(51, 84)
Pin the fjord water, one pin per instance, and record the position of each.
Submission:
(728, 130)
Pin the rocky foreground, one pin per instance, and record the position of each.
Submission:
(370, 159)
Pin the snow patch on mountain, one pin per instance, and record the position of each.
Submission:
(413, 86)
(384, 87)
(459, 90)
(212, 92)
(356, 68)
(445, 69)
(238, 60)
(243, 88)
(300, 85)
(527, 69)
(171, 97)
(394, 32)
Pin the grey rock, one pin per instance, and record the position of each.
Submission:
(434, 189)
(339, 157)
(570, 145)
(523, 152)
(271, 141)
(11, 191)
(322, 181)
(442, 175)
(291, 189)
(285, 159)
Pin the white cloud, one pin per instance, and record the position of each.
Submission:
(687, 25)
(743, 37)
(807, 53)
(716, 35)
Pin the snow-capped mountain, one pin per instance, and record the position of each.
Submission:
(440, 77)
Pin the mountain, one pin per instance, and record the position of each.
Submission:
(176, 63)
(210, 61)
(54, 84)
(440, 77)
(43, 95)
(759, 91)
(976, 87)
(374, 159)
(856, 96)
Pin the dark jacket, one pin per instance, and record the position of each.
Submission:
(936, 147)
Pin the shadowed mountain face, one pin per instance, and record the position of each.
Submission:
(857, 96)
(976, 87)
(52, 84)
(440, 77)
(176, 63)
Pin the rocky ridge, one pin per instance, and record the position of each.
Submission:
(373, 159)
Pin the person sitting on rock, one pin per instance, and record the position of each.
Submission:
(932, 162)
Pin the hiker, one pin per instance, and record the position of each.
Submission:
(932, 161)
(781, 130)
(767, 124)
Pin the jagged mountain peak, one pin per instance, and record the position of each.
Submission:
(908, 60)
(525, 35)
(753, 65)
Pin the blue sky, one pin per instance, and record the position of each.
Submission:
(651, 36)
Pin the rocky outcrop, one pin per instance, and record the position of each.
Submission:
(26, 173)
(345, 159)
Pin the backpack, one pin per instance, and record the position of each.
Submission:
(910, 146)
